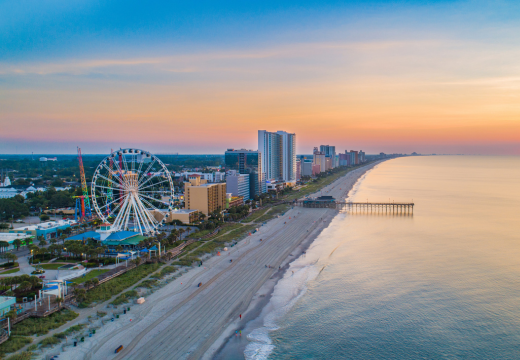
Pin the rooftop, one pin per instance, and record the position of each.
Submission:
(121, 235)
(134, 240)
(182, 211)
(85, 236)
(47, 225)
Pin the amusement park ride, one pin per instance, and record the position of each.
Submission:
(131, 190)
(83, 211)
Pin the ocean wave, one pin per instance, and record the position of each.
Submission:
(286, 293)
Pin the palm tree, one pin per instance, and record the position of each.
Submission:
(119, 248)
(11, 256)
(3, 245)
(42, 242)
(17, 243)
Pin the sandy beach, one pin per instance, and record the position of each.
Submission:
(184, 321)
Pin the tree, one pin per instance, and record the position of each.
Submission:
(11, 256)
(11, 315)
(24, 286)
(80, 294)
(59, 300)
(119, 248)
(3, 245)
(4, 226)
(95, 282)
(44, 217)
(87, 284)
(17, 243)
(42, 242)
(53, 241)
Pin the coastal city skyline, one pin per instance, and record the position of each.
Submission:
(259, 180)
(431, 77)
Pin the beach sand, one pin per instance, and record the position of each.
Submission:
(183, 321)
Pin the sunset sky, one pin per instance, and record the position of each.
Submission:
(202, 76)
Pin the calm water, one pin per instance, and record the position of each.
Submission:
(443, 284)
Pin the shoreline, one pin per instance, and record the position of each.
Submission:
(186, 321)
(227, 348)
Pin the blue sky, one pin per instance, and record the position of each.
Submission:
(119, 62)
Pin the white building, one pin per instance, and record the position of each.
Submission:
(210, 177)
(5, 182)
(279, 155)
(219, 176)
(6, 193)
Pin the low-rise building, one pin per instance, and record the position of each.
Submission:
(5, 304)
(204, 197)
(234, 200)
(6, 193)
(11, 236)
(186, 216)
(48, 229)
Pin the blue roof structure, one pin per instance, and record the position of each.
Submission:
(144, 250)
(85, 236)
(153, 248)
(54, 287)
(121, 235)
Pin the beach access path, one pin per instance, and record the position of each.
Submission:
(184, 321)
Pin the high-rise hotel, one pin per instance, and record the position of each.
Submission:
(279, 155)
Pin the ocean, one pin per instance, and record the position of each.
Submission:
(441, 284)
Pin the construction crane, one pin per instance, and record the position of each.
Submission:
(86, 212)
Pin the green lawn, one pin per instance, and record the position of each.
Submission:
(254, 216)
(275, 210)
(88, 276)
(12, 271)
(106, 290)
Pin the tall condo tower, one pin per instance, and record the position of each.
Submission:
(329, 151)
(279, 155)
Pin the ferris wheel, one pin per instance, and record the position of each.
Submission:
(132, 190)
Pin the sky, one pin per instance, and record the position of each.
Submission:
(200, 77)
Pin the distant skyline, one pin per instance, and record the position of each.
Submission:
(432, 76)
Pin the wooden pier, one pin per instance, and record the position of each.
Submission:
(358, 207)
(381, 208)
